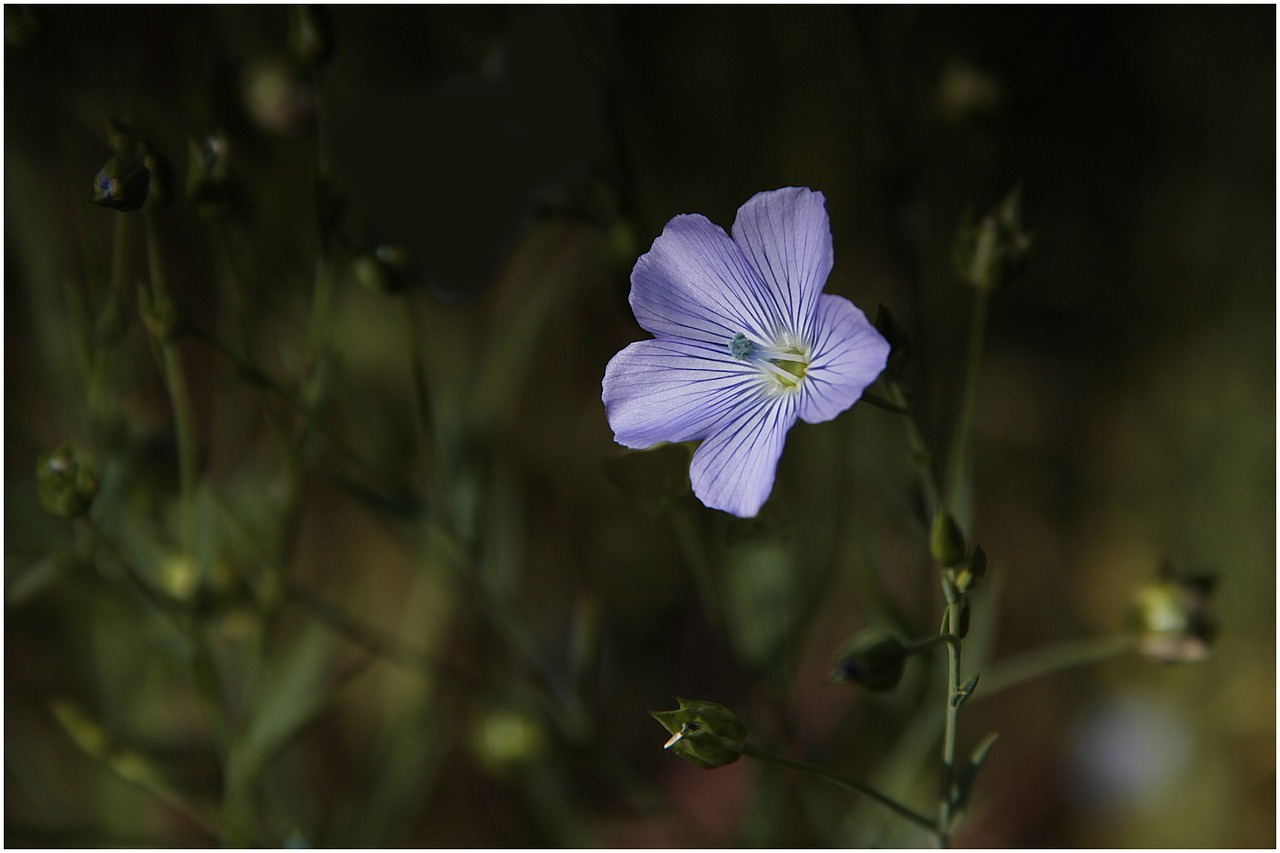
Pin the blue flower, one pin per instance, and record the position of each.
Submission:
(745, 342)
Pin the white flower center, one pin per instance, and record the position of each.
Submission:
(784, 361)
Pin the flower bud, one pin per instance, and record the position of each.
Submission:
(209, 182)
(1172, 621)
(122, 184)
(703, 733)
(506, 740)
(946, 542)
(67, 481)
(874, 658)
(278, 97)
(311, 35)
(990, 252)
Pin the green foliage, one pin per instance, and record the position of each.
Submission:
(328, 541)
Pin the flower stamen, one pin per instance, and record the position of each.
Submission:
(785, 362)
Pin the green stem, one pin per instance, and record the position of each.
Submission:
(957, 455)
(951, 719)
(920, 453)
(1049, 659)
(843, 781)
(120, 260)
(930, 642)
(179, 397)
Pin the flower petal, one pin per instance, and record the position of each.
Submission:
(695, 284)
(848, 355)
(786, 236)
(733, 469)
(664, 390)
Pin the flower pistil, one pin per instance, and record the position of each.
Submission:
(784, 362)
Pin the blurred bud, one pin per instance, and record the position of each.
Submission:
(1171, 618)
(387, 269)
(159, 313)
(899, 343)
(67, 481)
(972, 570)
(703, 733)
(874, 658)
(946, 542)
(179, 577)
(122, 184)
(209, 182)
(989, 253)
(311, 35)
(504, 740)
(277, 97)
(965, 92)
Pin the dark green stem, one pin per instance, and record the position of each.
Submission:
(843, 781)
(957, 455)
(179, 398)
(946, 802)
(1050, 659)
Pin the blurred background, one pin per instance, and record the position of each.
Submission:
(386, 579)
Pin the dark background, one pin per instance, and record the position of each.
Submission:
(525, 158)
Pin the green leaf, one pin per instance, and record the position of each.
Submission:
(969, 773)
(964, 692)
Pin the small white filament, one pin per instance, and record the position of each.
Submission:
(675, 737)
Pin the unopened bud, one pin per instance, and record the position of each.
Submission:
(991, 251)
(122, 184)
(946, 542)
(67, 481)
(506, 740)
(209, 182)
(311, 35)
(277, 96)
(1172, 621)
(874, 658)
(703, 733)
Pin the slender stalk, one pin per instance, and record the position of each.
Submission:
(1050, 659)
(843, 781)
(920, 452)
(179, 397)
(951, 715)
(957, 455)
(930, 642)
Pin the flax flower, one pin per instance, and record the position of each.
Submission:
(745, 342)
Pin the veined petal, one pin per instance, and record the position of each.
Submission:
(786, 236)
(665, 390)
(695, 284)
(733, 469)
(848, 354)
